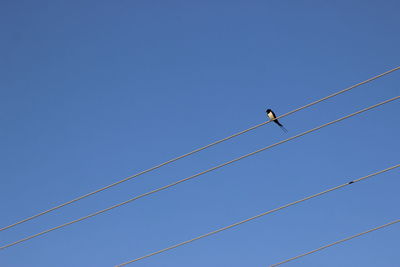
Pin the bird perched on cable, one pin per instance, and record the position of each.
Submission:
(271, 115)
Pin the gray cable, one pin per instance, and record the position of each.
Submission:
(196, 175)
(194, 151)
(258, 216)
(335, 243)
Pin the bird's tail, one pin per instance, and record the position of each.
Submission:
(283, 128)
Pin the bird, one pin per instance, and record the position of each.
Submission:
(271, 115)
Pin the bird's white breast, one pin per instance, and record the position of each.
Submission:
(270, 115)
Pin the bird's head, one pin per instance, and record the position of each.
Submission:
(268, 110)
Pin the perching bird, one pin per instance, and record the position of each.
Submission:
(271, 115)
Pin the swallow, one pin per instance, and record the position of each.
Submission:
(271, 115)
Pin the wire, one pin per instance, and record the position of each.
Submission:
(335, 243)
(259, 215)
(194, 151)
(196, 175)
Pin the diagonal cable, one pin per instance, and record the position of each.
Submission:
(193, 152)
(258, 216)
(337, 242)
(198, 174)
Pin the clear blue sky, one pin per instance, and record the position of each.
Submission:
(94, 91)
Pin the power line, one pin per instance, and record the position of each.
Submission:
(335, 243)
(198, 174)
(258, 216)
(194, 151)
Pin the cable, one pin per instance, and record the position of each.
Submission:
(198, 174)
(194, 151)
(335, 243)
(259, 215)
